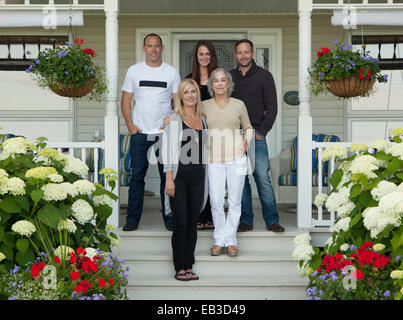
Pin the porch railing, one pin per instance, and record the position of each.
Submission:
(86, 151)
(320, 146)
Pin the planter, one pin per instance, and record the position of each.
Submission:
(73, 92)
(350, 87)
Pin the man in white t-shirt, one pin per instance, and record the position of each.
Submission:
(151, 84)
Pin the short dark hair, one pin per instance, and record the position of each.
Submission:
(151, 35)
(243, 41)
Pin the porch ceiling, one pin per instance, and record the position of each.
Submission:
(207, 6)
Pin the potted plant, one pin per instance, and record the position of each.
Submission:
(69, 71)
(362, 258)
(344, 72)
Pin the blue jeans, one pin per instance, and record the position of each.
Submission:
(139, 145)
(264, 188)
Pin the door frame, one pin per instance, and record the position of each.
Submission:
(271, 38)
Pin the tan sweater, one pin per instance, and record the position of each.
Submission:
(224, 125)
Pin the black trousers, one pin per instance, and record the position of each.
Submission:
(186, 204)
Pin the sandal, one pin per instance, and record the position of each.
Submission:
(194, 276)
(182, 276)
(200, 226)
(209, 225)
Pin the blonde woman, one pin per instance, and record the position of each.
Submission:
(227, 158)
(186, 186)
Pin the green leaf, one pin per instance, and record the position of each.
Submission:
(24, 258)
(51, 216)
(381, 155)
(355, 191)
(397, 241)
(8, 252)
(364, 198)
(399, 175)
(22, 245)
(336, 178)
(23, 202)
(104, 212)
(37, 195)
(9, 240)
(4, 216)
(10, 205)
(1, 233)
(355, 220)
(393, 166)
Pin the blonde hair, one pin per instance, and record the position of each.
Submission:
(184, 84)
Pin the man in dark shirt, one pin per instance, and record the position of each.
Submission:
(256, 88)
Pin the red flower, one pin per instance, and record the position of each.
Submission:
(363, 77)
(111, 282)
(57, 259)
(89, 266)
(85, 285)
(322, 51)
(357, 274)
(36, 268)
(102, 282)
(381, 261)
(89, 51)
(78, 288)
(339, 257)
(369, 73)
(79, 41)
(75, 275)
(72, 256)
(81, 251)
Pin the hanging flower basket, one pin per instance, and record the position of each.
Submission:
(69, 71)
(65, 91)
(350, 87)
(343, 72)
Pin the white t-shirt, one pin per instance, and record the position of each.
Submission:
(152, 90)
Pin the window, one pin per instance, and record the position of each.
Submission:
(372, 118)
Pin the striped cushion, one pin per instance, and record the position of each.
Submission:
(290, 179)
(4, 137)
(318, 138)
(124, 161)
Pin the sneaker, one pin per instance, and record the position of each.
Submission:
(243, 227)
(170, 226)
(130, 226)
(275, 227)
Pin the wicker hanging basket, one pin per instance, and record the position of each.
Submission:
(74, 92)
(350, 87)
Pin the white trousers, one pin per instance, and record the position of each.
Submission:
(233, 174)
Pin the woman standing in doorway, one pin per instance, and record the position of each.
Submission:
(204, 62)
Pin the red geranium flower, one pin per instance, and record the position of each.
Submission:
(322, 51)
(72, 256)
(36, 268)
(102, 282)
(89, 51)
(57, 259)
(79, 41)
(357, 274)
(85, 285)
(111, 282)
(81, 251)
(75, 275)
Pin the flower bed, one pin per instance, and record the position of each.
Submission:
(46, 203)
(83, 274)
(367, 237)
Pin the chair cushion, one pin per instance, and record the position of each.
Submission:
(317, 138)
(290, 179)
(4, 137)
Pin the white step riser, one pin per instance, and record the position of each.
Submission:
(205, 243)
(236, 268)
(217, 293)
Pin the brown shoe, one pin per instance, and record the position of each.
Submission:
(243, 227)
(232, 251)
(216, 250)
(275, 227)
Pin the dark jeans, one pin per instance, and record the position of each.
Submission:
(264, 188)
(186, 204)
(139, 145)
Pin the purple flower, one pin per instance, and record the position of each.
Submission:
(62, 53)
(12, 298)
(318, 298)
(386, 294)
(69, 43)
(37, 61)
(30, 68)
(85, 67)
(15, 269)
(352, 248)
(347, 47)
(66, 73)
(335, 42)
(314, 274)
(385, 77)
(28, 52)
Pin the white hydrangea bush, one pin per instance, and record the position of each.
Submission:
(45, 197)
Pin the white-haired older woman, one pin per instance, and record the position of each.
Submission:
(227, 158)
